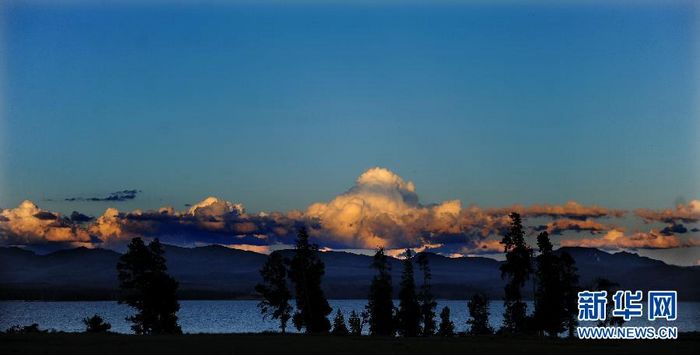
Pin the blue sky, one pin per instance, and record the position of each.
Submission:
(279, 106)
(282, 106)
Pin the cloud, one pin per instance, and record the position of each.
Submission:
(383, 210)
(570, 210)
(674, 229)
(616, 239)
(688, 213)
(401, 252)
(27, 224)
(213, 221)
(557, 227)
(262, 249)
(483, 247)
(78, 217)
(117, 196)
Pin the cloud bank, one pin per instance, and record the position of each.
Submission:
(380, 209)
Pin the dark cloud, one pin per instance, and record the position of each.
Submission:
(45, 215)
(117, 196)
(78, 217)
(674, 229)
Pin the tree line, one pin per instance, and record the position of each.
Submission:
(554, 277)
(291, 289)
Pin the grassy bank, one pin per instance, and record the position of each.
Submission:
(67, 343)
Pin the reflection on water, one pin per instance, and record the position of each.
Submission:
(243, 316)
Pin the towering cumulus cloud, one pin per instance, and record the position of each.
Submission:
(383, 210)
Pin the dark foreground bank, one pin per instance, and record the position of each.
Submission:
(105, 344)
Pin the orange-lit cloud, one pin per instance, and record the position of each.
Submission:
(689, 213)
(381, 209)
(401, 252)
(617, 239)
(29, 224)
(262, 249)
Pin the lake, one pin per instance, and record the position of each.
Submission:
(242, 316)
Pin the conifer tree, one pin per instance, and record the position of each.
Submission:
(380, 305)
(516, 269)
(274, 290)
(447, 327)
(146, 286)
(479, 315)
(306, 272)
(408, 315)
(355, 323)
(339, 327)
(550, 314)
(425, 297)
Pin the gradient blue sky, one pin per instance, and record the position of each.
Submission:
(280, 106)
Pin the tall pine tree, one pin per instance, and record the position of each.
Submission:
(380, 307)
(306, 271)
(409, 311)
(516, 269)
(550, 315)
(425, 297)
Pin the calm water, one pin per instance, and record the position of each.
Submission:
(240, 316)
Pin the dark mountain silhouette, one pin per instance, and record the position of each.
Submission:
(216, 272)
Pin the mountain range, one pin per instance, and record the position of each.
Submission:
(216, 272)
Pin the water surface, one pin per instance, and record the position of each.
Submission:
(243, 316)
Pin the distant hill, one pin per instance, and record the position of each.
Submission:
(215, 272)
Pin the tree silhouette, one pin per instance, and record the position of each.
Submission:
(306, 271)
(274, 290)
(516, 269)
(96, 324)
(570, 288)
(409, 311)
(425, 297)
(550, 313)
(146, 286)
(478, 320)
(447, 328)
(602, 284)
(355, 323)
(339, 327)
(379, 304)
